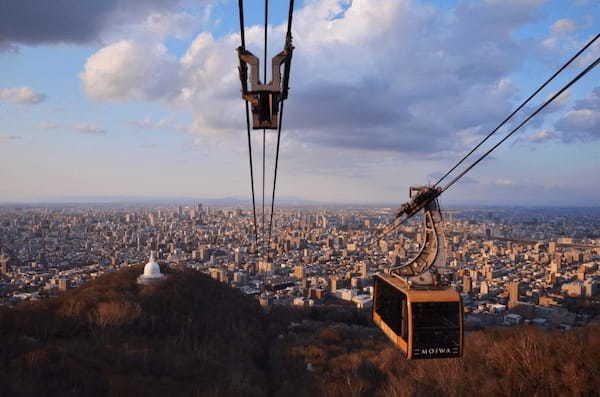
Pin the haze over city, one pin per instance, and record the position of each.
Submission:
(142, 100)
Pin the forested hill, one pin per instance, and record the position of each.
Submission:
(192, 336)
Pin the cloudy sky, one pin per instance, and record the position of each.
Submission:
(141, 98)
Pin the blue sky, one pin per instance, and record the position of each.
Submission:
(142, 99)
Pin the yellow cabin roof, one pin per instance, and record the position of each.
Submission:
(448, 294)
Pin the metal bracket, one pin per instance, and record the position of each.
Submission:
(264, 98)
(421, 271)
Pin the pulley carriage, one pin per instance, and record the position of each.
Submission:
(265, 98)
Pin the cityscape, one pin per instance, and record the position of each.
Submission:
(209, 198)
(511, 265)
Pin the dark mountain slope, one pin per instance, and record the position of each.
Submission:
(187, 336)
(192, 336)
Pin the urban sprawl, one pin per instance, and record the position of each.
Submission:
(512, 266)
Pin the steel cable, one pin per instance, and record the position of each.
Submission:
(397, 223)
(243, 39)
(539, 109)
(284, 89)
(264, 131)
(519, 108)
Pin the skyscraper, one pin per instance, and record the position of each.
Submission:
(513, 293)
(4, 264)
(299, 272)
(333, 284)
(555, 267)
(467, 284)
(364, 270)
(484, 289)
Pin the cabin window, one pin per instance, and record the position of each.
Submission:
(390, 305)
(436, 315)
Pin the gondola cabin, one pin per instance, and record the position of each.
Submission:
(423, 323)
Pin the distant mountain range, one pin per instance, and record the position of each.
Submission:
(132, 200)
(239, 201)
(231, 201)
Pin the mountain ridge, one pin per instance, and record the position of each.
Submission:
(193, 336)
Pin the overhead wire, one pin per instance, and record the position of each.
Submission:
(510, 116)
(538, 110)
(243, 40)
(397, 223)
(288, 39)
(264, 134)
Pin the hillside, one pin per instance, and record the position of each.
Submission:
(191, 336)
(188, 336)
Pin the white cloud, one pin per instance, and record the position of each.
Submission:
(46, 125)
(21, 96)
(583, 121)
(391, 75)
(9, 138)
(179, 25)
(503, 182)
(561, 35)
(8, 48)
(580, 124)
(543, 135)
(148, 124)
(563, 25)
(130, 70)
(86, 128)
(76, 21)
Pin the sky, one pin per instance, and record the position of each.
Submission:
(125, 98)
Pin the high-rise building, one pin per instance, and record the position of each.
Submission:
(333, 284)
(555, 267)
(591, 287)
(223, 276)
(240, 277)
(299, 272)
(551, 247)
(305, 283)
(474, 274)
(265, 267)
(364, 270)
(484, 289)
(513, 293)
(467, 284)
(4, 264)
(383, 245)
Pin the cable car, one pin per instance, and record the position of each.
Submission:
(423, 323)
(413, 303)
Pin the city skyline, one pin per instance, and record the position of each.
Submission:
(142, 100)
(507, 258)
